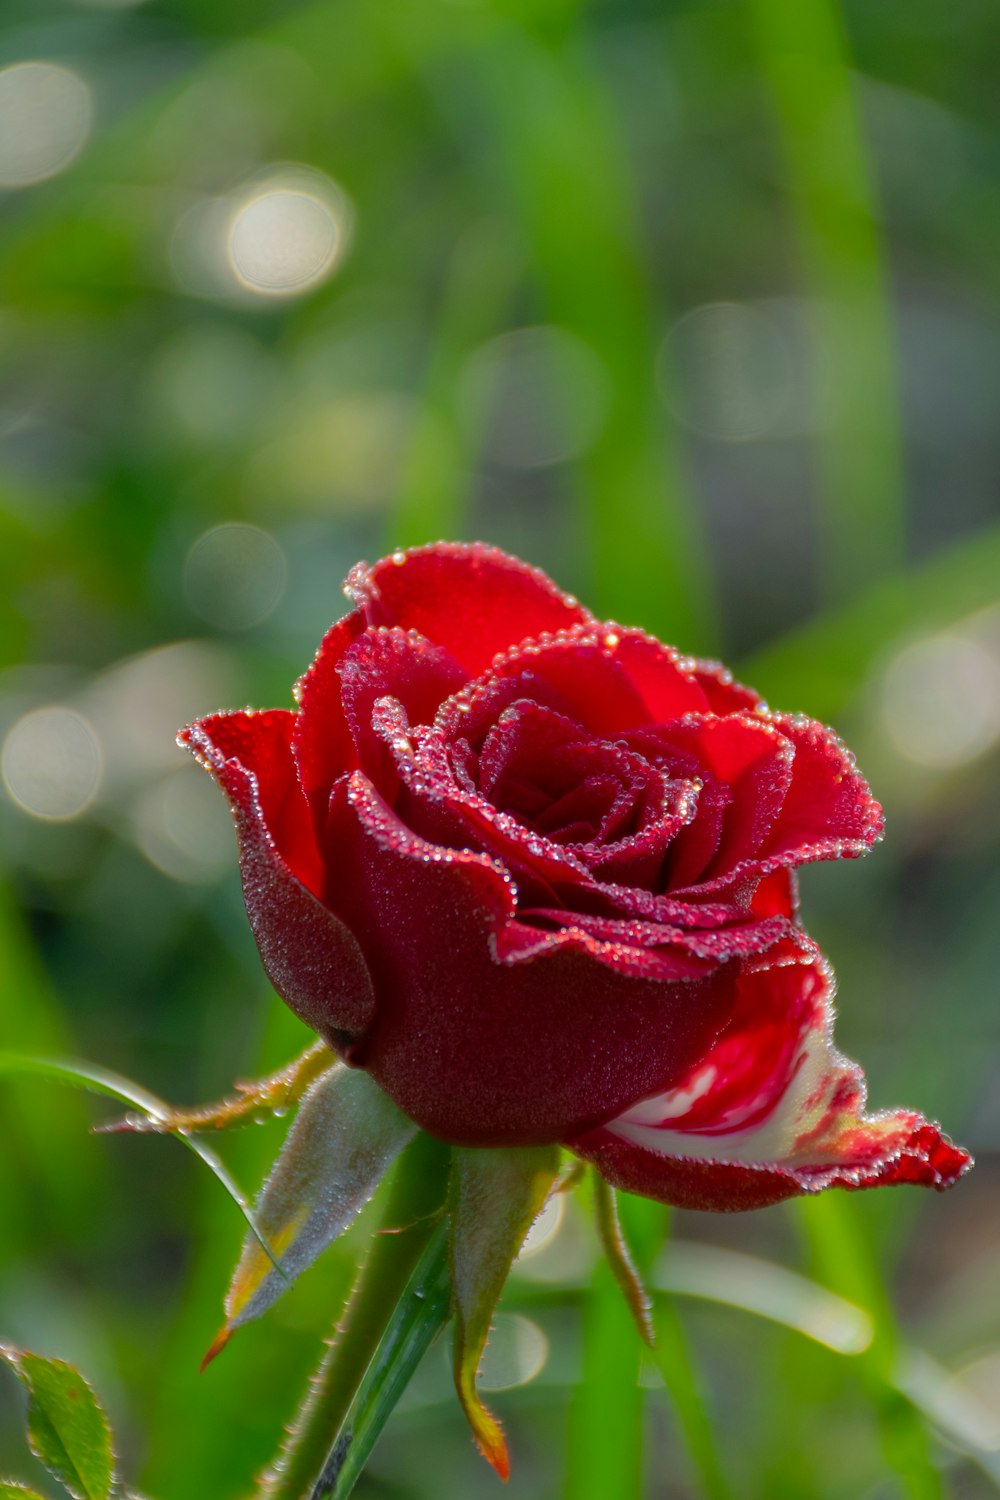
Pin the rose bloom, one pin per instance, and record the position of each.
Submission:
(536, 874)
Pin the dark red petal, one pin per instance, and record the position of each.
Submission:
(604, 677)
(725, 695)
(322, 744)
(754, 760)
(777, 895)
(401, 665)
(472, 599)
(261, 743)
(482, 1051)
(310, 956)
(829, 810)
(771, 1111)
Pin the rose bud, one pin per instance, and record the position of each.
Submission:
(535, 874)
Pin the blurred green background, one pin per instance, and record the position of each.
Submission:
(693, 304)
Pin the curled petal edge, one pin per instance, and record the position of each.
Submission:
(310, 956)
(829, 1140)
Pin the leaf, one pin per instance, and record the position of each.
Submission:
(11, 1490)
(67, 1428)
(495, 1197)
(420, 1313)
(97, 1080)
(252, 1101)
(346, 1134)
(620, 1260)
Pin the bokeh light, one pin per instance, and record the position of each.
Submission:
(535, 396)
(46, 113)
(338, 455)
(183, 829)
(284, 239)
(940, 701)
(235, 575)
(545, 1228)
(52, 762)
(725, 370)
(516, 1354)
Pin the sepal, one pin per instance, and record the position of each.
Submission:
(345, 1136)
(495, 1197)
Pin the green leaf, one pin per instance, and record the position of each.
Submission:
(67, 1428)
(419, 1314)
(345, 1136)
(11, 1490)
(495, 1196)
(97, 1080)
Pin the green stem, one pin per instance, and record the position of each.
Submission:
(411, 1219)
(418, 1317)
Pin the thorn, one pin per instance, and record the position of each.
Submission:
(216, 1347)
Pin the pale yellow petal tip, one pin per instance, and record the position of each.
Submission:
(217, 1345)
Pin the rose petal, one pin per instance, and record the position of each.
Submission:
(604, 677)
(772, 1111)
(751, 757)
(471, 599)
(725, 695)
(311, 958)
(399, 664)
(483, 1051)
(322, 742)
(829, 810)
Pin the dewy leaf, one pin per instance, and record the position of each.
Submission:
(345, 1136)
(252, 1101)
(67, 1429)
(11, 1490)
(495, 1196)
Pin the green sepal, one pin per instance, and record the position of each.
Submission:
(346, 1135)
(623, 1267)
(67, 1429)
(495, 1197)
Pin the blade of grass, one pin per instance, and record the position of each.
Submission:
(604, 1455)
(566, 176)
(96, 1080)
(804, 64)
(831, 1230)
(417, 1318)
(435, 477)
(821, 667)
(647, 1227)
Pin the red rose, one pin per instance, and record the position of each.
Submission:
(535, 874)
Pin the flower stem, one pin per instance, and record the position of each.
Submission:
(411, 1218)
